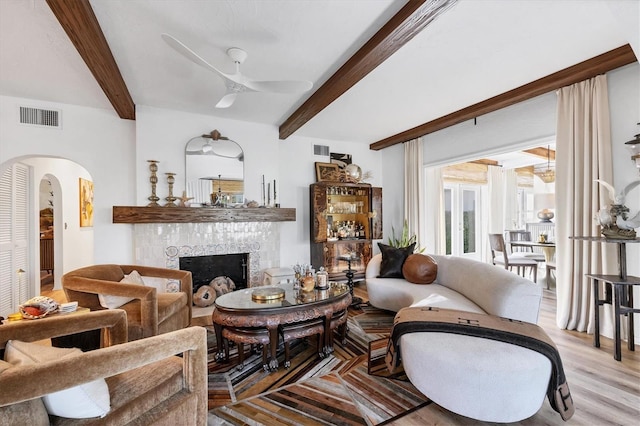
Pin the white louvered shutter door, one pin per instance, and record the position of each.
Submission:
(14, 233)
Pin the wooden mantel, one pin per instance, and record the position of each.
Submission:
(133, 214)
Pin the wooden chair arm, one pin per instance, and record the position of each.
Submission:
(185, 277)
(113, 321)
(74, 370)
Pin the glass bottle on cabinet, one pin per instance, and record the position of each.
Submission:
(345, 218)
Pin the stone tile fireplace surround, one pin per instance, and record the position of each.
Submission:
(162, 244)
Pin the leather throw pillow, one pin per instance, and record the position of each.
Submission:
(392, 260)
(420, 269)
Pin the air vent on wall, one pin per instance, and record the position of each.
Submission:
(39, 117)
(321, 150)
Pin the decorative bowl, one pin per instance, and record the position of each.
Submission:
(38, 307)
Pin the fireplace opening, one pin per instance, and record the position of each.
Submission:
(206, 268)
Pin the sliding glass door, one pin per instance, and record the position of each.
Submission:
(462, 220)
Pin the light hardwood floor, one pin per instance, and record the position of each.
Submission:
(604, 391)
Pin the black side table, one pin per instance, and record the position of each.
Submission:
(355, 301)
(622, 302)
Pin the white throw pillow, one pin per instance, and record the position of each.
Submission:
(159, 283)
(112, 302)
(79, 402)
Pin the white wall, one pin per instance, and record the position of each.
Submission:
(624, 104)
(393, 192)
(496, 132)
(162, 135)
(114, 153)
(73, 243)
(96, 139)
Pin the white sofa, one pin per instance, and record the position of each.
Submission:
(479, 378)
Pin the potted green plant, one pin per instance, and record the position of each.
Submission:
(405, 240)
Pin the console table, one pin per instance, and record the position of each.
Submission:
(621, 286)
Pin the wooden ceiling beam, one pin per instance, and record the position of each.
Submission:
(600, 64)
(542, 153)
(404, 25)
(79, 22)
(485, 161)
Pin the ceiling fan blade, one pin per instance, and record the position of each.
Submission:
(227, 100)
(282, 86)
(181, 48)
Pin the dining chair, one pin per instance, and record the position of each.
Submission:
(500, 257)
(519, 235)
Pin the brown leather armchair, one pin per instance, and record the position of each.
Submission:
(151, 312)
(147, 384)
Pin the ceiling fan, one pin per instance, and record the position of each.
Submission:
(237, 83)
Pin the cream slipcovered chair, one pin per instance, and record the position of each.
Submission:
(139, 382)
(149, 312)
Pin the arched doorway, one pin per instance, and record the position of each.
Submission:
(20, 215)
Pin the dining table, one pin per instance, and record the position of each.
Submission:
(548, 249)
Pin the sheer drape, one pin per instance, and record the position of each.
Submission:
(495, 208)
(495, 188)
(510, 178)
(413, 190)
(434, 211)
(583, 153)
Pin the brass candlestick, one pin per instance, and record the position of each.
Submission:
(170, 198)
(153, 166)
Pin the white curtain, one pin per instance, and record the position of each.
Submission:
(583, 153)
(435, 239)
(495, 208)
(414, 207)
(510, 178)
(495, 187)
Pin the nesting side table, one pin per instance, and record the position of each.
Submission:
(622, 302)
(618, 292)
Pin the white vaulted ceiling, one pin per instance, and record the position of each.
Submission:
(472, 52)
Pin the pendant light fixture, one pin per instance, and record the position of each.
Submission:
(547, 175)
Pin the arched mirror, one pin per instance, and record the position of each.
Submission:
(214, 170)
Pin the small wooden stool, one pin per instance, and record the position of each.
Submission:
(248, 336)
(299, 331)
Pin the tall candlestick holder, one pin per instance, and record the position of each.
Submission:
(153, 167)
(170, 198)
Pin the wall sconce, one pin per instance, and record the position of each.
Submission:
(634, 147)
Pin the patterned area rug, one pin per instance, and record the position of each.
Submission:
(339, 389)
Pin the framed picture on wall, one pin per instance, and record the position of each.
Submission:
(326, 172)
(86, 203)
(342, 160)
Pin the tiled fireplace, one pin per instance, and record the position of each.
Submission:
(162, 244)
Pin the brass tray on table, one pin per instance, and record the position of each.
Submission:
(267, 294)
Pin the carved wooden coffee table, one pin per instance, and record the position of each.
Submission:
(239, 318)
